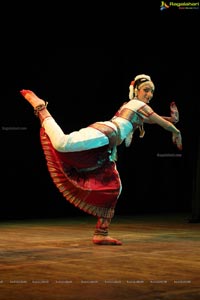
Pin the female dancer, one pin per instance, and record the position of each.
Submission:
(82, 164)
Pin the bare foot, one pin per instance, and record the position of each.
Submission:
(32, 98)
(105, 240)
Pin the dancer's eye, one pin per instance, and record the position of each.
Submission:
(146, 90)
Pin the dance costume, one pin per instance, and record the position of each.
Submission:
(82, 164)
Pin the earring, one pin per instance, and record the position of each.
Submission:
(136, 92)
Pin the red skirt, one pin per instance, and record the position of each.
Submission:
(93, 191)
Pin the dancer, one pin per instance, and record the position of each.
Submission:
(82, 163)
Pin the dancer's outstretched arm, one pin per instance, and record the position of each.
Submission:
(174, 115)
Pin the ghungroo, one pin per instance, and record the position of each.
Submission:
(40, 107)
(99, 231)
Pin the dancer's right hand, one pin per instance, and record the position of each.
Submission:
(174, 112)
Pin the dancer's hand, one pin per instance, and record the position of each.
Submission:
(174, 112)
(177, 140)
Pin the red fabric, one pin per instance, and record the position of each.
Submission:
(84, 159)
(95, 192)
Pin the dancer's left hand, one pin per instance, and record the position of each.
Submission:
(177, 140)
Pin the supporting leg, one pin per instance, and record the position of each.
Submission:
(101, 236)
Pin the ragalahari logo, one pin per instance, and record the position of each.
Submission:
(179, 5)
(164, 5)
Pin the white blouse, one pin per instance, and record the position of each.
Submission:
(88, 137)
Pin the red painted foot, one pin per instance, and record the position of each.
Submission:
(24, 92)
(107, 241)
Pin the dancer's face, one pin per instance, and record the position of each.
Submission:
(145, 92)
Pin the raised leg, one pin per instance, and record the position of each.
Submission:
(32, 98)
(38, 104)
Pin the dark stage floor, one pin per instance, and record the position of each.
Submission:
(55, 259)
